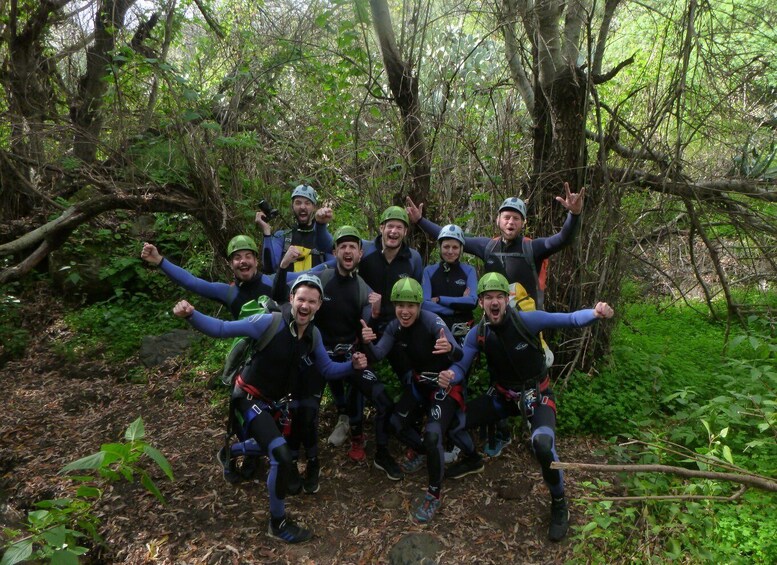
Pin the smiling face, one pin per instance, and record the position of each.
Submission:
(510, 224)
(303, 210)
(407, 313)
(244, 264)
(392, 233)
(305, 302)
(348, 253)
(450, 250)
(494, 304)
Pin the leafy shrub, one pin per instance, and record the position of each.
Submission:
(54, 531)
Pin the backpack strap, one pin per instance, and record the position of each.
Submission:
(269, 333)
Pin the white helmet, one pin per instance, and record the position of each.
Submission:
(307, 280)
(516, 204)
(451, 231)
(306, 191)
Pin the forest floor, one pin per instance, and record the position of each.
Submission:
(56, 411)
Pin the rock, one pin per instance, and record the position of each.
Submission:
(415, 549)
(155, 350)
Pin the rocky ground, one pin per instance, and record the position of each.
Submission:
(56, 410)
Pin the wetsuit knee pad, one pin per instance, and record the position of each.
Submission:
(543, 449)
(431, 439)
(282, 454)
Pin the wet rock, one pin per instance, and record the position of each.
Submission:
(415, 549)
(155, 350)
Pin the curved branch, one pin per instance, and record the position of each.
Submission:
(602, 78)
(53, 234)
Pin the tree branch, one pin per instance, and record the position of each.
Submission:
(736, 496)
(602, 78)
(749, 480)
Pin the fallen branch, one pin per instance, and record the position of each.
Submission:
(754, 481)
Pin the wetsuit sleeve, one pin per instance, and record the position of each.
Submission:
(429, 228)
(461, 367)
(543, 247)
(253, 326)
(416, 265)
(328, 368)
(428, 304)
(476, 246)
(378, 351)
(466, 303)
(182, 277)
(272, 249)
(324, 241)
(280, 285)
(537, 320)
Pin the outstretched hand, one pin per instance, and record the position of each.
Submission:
(413, 212)
(572, 201)
(368, 335)
(324, 215)
(603, 310)
(183, 309)
(442, 345)
(150, 254)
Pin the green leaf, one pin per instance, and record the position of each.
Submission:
(135, 431)
(93, 461)
(151, 487)
(56, 537)
(727, 454)
(17, 552)
(159, 459)
(64, 557)
(88, 492)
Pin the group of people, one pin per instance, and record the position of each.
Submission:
(346, 303)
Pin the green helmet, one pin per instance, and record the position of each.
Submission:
(394, 213)
(347, 232)
(308, 280)
(407, 289)
(493, 281)
(240, 243)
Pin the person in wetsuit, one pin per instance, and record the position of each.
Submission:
(270, 375)
(428, 347)
(520, 386)
(310, 228)
(249, 284)
(519, 259)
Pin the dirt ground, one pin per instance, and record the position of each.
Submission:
(55, 411)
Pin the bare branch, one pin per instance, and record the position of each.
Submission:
(734, 497)
(756, 481)
(604, 31)
(512, 53)
(602, 78)
(214, 25)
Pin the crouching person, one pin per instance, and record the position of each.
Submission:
(271, 374)
(518, 374)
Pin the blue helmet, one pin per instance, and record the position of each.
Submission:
(516, 204)
(306, 191)
(451, 231)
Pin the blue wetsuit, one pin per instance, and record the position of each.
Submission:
(416, 345)
(233, 296)
(271, 375)
(448, 283)
(520, 386)
(315, 241)
(508, 258)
